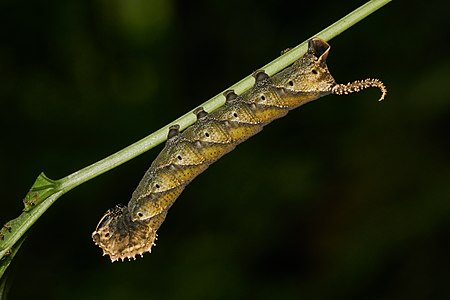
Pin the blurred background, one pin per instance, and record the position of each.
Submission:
(344, 198)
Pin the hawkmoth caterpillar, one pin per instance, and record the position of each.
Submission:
(127, 231)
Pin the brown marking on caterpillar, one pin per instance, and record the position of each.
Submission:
(237, 112)
(185, 154)
(127, 231)
(154, 203)
(208, 130)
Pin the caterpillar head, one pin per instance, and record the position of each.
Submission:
(121, 238)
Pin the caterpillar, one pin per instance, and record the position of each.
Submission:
(127, 231)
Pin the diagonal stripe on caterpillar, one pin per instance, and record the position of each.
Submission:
(127, 231)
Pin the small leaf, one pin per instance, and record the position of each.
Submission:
(42, 188)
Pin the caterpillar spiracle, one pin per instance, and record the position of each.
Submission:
(127, 231)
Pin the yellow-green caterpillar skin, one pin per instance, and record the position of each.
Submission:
(126, 231)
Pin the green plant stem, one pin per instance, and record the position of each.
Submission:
(45, 191)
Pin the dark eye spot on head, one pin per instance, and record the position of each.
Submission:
(206, 134)
(140, 215)
(235, 115)
(291, 83)
(107, 234)
(157, 186)
(263, 97)
(179, 157)
(314, 71)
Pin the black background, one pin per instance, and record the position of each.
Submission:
(345, 198)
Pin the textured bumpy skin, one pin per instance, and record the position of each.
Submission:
(127, 231)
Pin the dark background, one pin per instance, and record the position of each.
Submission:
(345, 198)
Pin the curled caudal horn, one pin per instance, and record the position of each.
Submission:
(358, 85)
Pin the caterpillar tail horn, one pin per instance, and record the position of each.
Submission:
(358, 85)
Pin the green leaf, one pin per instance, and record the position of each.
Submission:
(42, 188)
